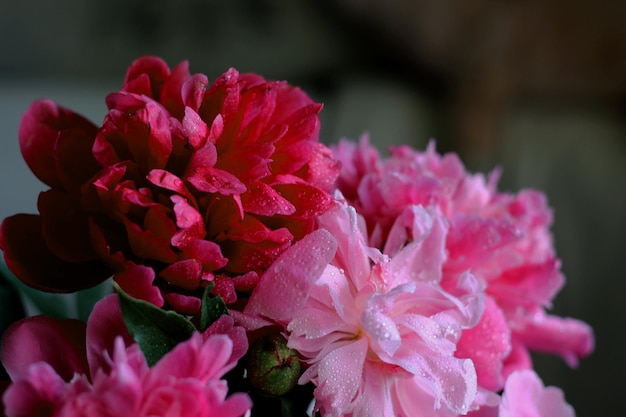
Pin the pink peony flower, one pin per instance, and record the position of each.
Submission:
(503, 239)
(183, 184)
(526, 396)
(378, 332)
(55, 373)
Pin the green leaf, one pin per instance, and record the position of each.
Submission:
(155, 330)
(213, 307)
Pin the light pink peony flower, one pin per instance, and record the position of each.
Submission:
(504, 239)
(54, 374)
(378, 332)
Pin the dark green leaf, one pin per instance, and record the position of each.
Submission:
(213, 307)
(156, 331)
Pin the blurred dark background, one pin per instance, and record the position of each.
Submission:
(536, 87)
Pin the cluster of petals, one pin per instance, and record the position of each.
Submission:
(183, 184)
(503, 239)
(64, 368)
(378, 333)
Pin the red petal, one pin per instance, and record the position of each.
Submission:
(309, 201)
(171, 92)
(29, 258)
(75, 162)
(183, 304)
(146, 75)
(61, 343)
(195, 129)
(65, 227)
(137, 282)
(38, 134)
(207, 252)
(156, 146)
(146, 244)
(169, 181)
(184, 274)
(213, 180)
(193, 91)
(263, 200)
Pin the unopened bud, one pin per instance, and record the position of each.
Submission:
(273, 368)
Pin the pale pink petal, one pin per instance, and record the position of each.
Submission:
(340, 374)
(282, 289)
(526, 396)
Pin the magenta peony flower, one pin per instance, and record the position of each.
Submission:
(378, 332)
(55, 374)
(503, 239)
(184, 184)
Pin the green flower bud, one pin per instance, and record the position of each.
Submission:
(273, 368)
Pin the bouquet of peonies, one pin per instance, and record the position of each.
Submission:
(256, 271)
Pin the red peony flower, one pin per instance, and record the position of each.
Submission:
(184, 184)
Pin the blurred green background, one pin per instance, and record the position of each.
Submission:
(534, 87)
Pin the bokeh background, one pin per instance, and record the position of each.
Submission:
(536, 87)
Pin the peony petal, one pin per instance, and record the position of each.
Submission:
(213, 180)
(146, 75)
(308, 200)
(169, 181)
(171, 92)
(184, 274)
(60, 343)
(208, 253)
(104, 325)
(341, 370)
(282, 289)
(570, 338)
(29, 258)
(39, 392)
(487, 344)
(525, 395)
(137, 281)
(65, 227)
(39, 132)
(263, 200)
(195, 129)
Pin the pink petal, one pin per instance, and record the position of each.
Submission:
(104, 325)
(570, 338)
(282, 289)
(39, 392)
(525, 395)
(341, 371)
(487, 344)
(60, 343)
